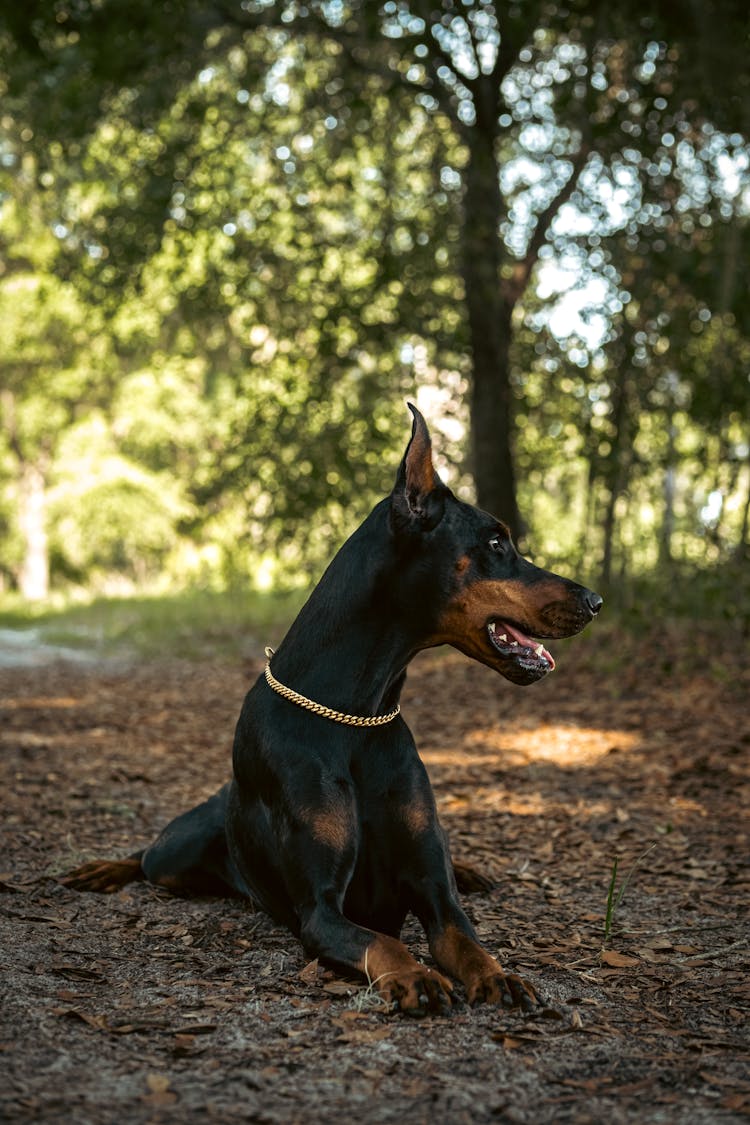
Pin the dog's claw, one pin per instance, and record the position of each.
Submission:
(528, 1003)
(418, 993)
(509, 991)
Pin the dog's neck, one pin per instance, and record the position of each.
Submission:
(347, 652)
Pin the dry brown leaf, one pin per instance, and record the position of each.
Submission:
(157, 1083)
(735, 1101)
(339, 988)
(98, 1022)
(364, 1035)
(617, 960)
(345, 1019)
(159, 1091)
(310, 972)
(651, 955)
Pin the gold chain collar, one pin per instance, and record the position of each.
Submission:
(319, 709)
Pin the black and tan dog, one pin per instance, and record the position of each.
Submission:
(329, 822)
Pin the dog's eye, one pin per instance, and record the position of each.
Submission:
(497, 544)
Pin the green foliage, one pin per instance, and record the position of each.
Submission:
(616, 894)
(235, 241)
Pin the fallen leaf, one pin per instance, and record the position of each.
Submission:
(617, 960)
(651, 956)
(310, 972)
(183, 1044)
(98, 1022)
(157, 1082)
(347, 1018)
(364, 1035)
(591, 1085)
(339, 988)
(159, 1091)
(76, 972)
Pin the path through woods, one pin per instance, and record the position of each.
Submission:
(139, 1007)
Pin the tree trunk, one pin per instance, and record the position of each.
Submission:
(620, 459)
(582, 561)
(670, 480)
(742, 550)
(33, 577)
(489, 316)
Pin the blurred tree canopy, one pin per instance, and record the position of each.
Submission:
(236, 236)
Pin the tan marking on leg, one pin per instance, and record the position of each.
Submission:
(462, 957)
(103, 876)
(400, 979)
(479, 972)
(417, 817)
(331, 827)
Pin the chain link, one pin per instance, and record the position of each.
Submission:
(319, 709)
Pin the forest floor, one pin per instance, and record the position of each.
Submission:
(140, 1007)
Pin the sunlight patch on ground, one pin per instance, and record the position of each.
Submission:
(569, 747)
(42, 703)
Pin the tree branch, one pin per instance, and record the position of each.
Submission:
(515, 286)
(358, 50)
(423, 9)
(514, 33)
(8, 410)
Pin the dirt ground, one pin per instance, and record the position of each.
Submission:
(140, 1007)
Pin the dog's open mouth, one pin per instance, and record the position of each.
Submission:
(529, 655)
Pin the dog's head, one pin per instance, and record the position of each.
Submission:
(479, 594)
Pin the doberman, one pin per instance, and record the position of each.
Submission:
(329, 823)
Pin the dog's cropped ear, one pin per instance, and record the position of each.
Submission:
(418, 498)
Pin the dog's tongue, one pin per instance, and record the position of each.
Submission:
(527, 642)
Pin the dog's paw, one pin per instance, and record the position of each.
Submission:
(507, 989)
(417, 992)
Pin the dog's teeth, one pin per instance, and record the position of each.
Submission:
(503, 637)
(491, 626)
(539, 650)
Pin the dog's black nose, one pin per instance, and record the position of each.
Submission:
(593, 602)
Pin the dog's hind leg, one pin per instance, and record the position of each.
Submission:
(189, 856)
(470, 880)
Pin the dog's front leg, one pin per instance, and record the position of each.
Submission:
(400, 979)
(453, 942)
(321, 841)
(454, 946)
